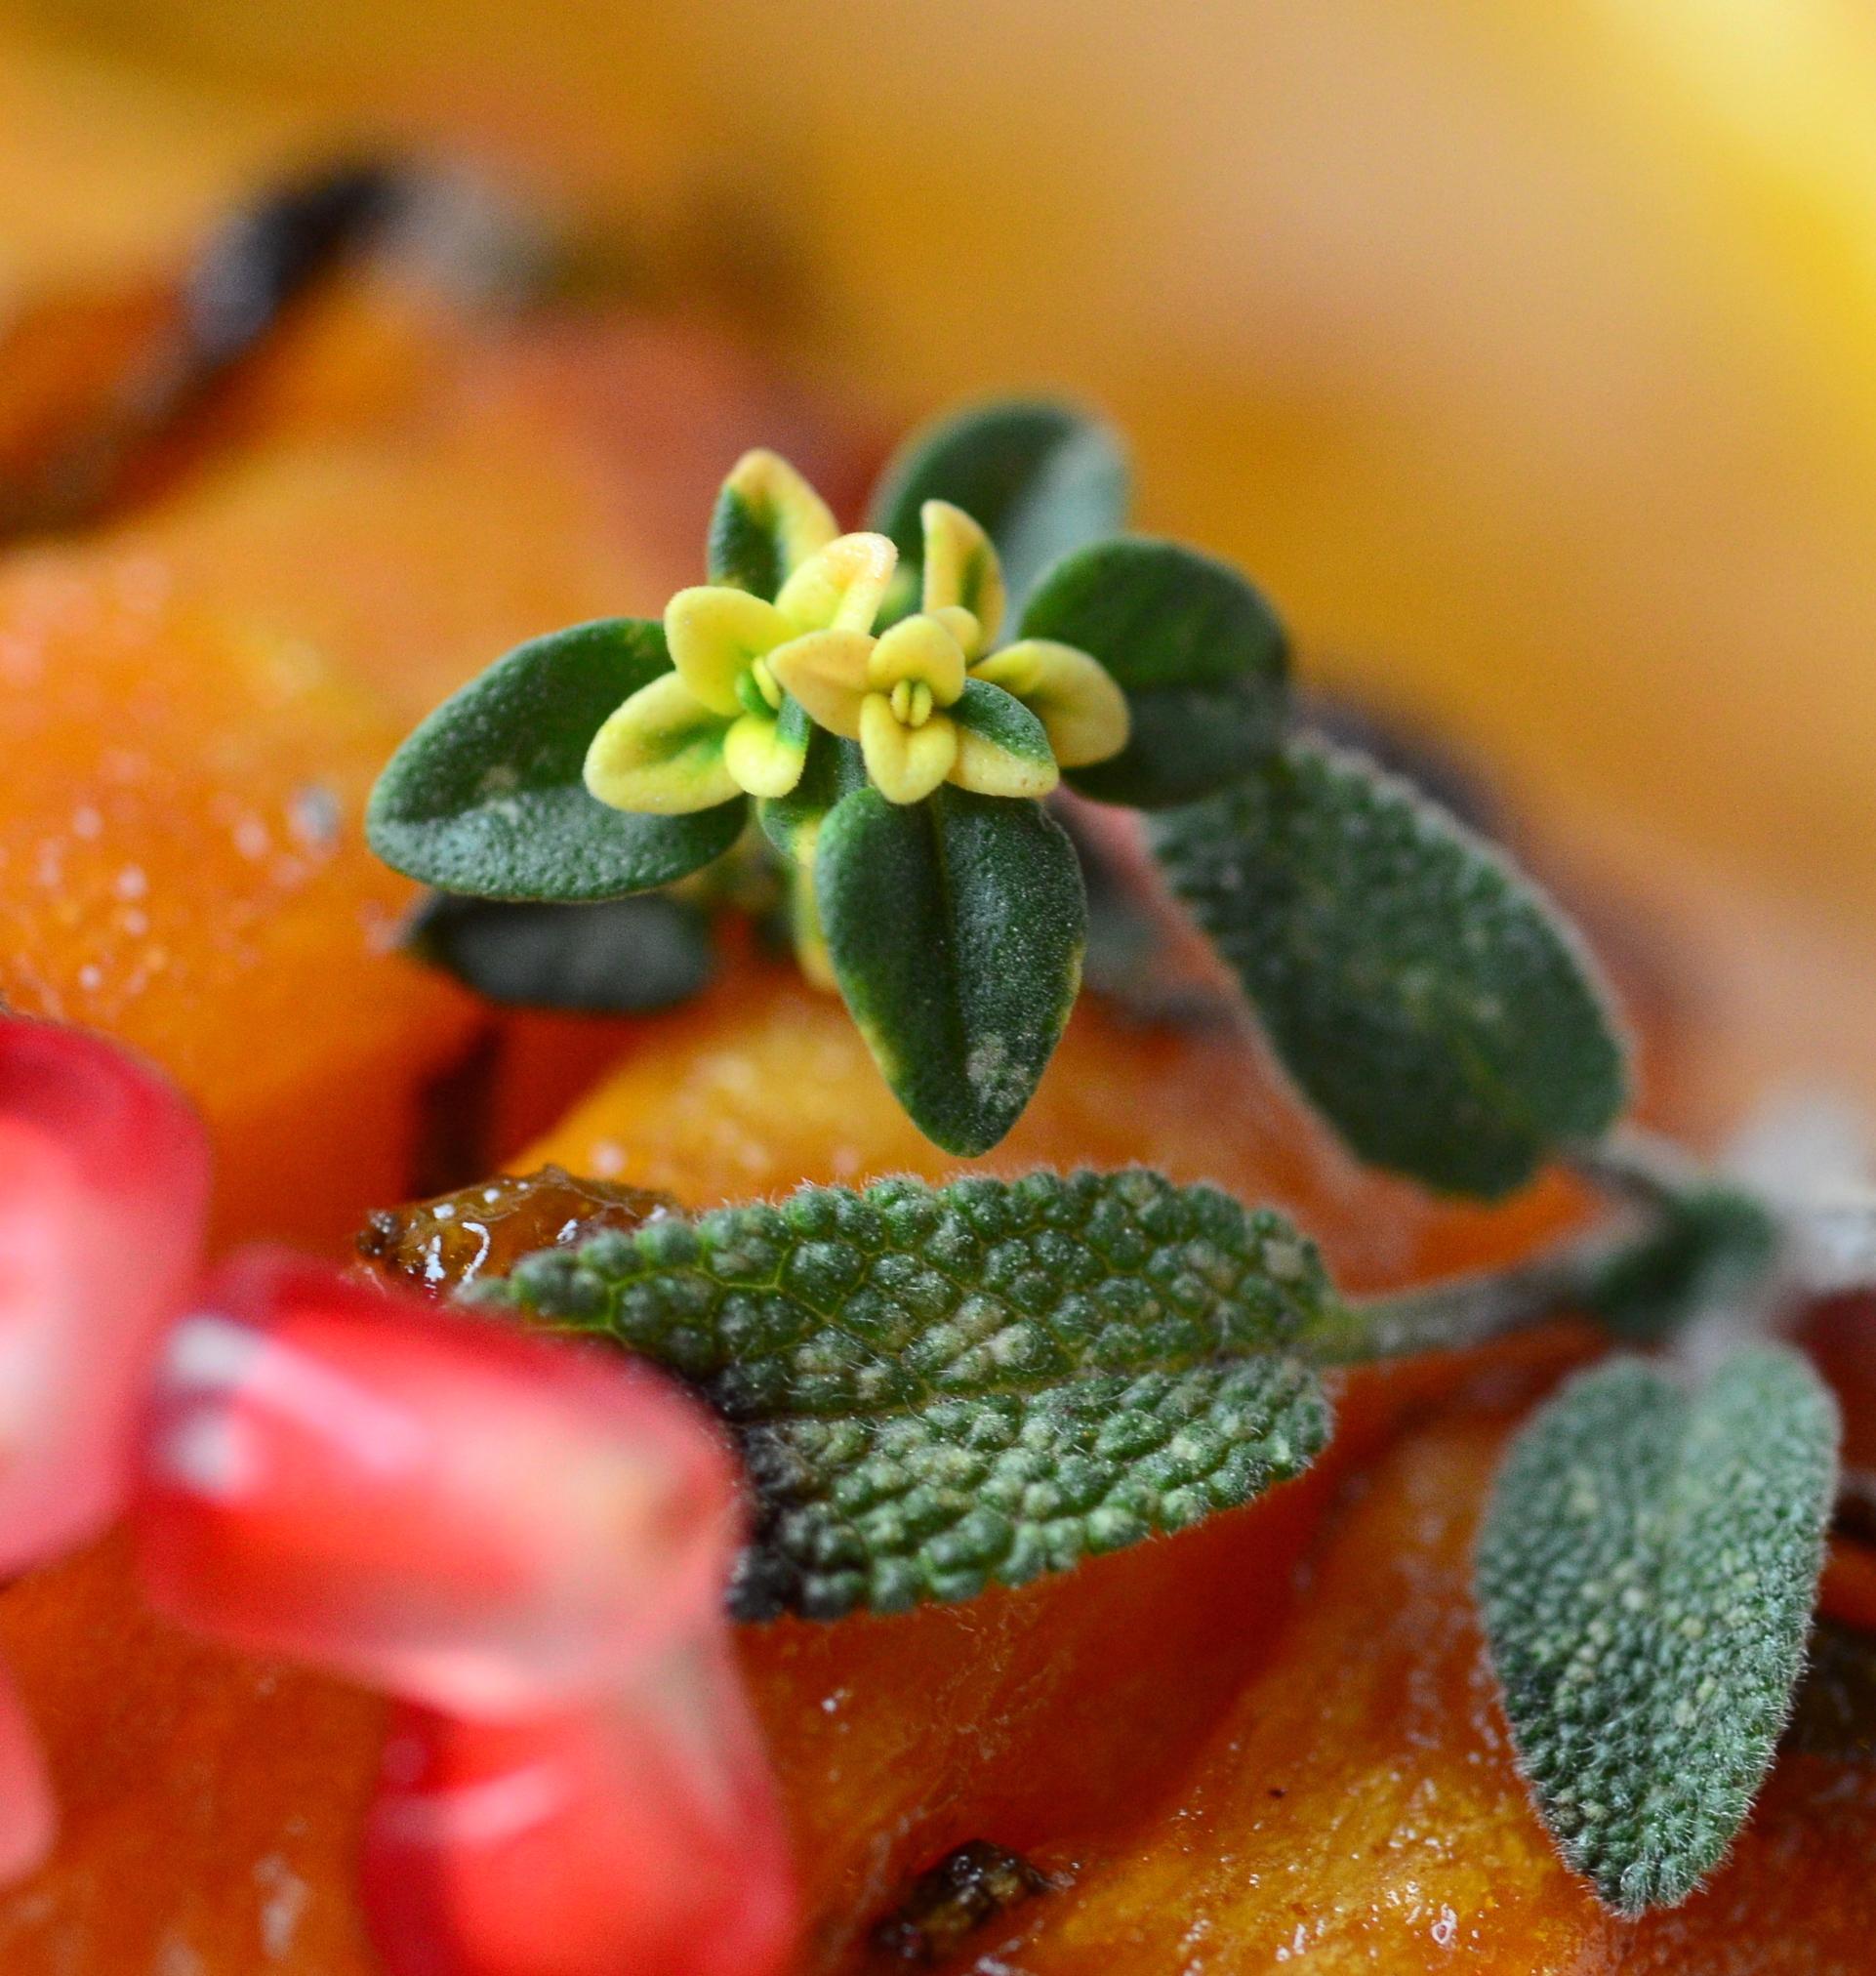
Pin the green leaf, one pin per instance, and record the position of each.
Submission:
(744, 548)
(936, 1390)
(1645, 1574)
(834, 768)
(486, 798)
(956, 927)
(1009, 741)
(1039, 478)
(624, 957)
(1426, 997)
(1199, 654)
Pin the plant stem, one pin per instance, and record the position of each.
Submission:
(1680, 1240)
(1468, 1310)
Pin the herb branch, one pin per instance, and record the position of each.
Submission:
(936, 1390)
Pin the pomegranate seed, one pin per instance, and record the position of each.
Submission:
(483, 1521)
(28, 1820)
(103, 1191)
(639, 1837)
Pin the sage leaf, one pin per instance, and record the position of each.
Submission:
(937, 1390)
(1199, 654)
(485, 797)
(1645, 1574)
(1427, 998)
(622, 958)
(1040, 479)
(955, 928)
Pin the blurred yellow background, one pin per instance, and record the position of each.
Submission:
(1523, 349)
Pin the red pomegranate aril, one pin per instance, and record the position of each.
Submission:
(103, 1193)
(639, 1837)
(29, 1817)
(440, 1505)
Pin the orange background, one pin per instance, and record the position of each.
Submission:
(1525, 349)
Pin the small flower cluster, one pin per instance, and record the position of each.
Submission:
(930, 700)
(524, 1543)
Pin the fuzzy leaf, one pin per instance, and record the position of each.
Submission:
(1199, 654)
(956, 927)
(936, 1390)
(1039, 478)
(485, 797)
(1647, 1573)
(625, 956)
(1426, 997)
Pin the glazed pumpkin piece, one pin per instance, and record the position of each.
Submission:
(209, 1807)
(471, 478)
(899, 1739)
(1359, 1807)
(1356, 1807)
(391, 490)
(181, 866)
(764, 1084)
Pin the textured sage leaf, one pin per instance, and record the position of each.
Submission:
(1647, 1573)
(936, 1390)
(485, 797)
(834, 768)
(1040, 479)
(624, 957)
(1200, 654)
(1428, 999)
(956, 927)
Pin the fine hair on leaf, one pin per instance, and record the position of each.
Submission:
(940, 1388)
(1645, 1575)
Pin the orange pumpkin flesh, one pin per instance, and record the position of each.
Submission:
(197, 696)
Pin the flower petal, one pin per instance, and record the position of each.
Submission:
(961, 625)
(962, 567)
(714, 634)
(662, 753)
(1002, 749)
(1076, 699)
(767, 515)
(906, 763)
(920, 649)
(827, 672)
(766, 752)
(839, 587)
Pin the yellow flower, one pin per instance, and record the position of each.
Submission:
(928, 703)
(720, 724)
(1082, 709)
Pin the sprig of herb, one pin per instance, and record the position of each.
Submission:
(935, 1390)
(1426, 998)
